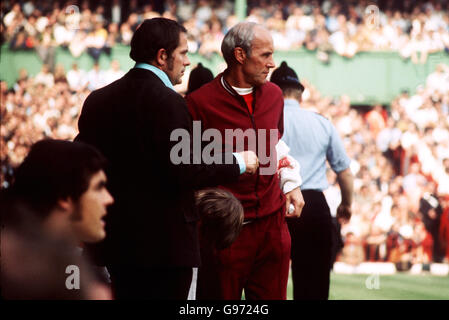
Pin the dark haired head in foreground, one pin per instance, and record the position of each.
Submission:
(64, 184)
(57, 201)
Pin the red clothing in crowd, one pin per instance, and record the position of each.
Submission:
(376, 121)
(427, 245)
(444, 230)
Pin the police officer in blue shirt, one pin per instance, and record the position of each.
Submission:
(313, 140)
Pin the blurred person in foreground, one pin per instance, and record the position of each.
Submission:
(152, 237)
(56, 203)
(237, 100)
(313, 139)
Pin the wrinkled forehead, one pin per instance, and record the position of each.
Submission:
(262, 37)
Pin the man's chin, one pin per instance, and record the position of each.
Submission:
(259, 83)
(176, 82)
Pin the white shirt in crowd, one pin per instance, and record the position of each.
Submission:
(95, 79)
(77, 79)
(111, 75)
(46, 79)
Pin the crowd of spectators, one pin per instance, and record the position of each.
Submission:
(412, 28)
(400, 159)
(46, 105)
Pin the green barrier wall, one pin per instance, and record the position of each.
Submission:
(369, 77)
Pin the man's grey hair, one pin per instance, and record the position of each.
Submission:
(241, 35)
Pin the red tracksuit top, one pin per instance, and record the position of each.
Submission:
(218, 106)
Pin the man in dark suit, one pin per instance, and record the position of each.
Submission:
(152, 241)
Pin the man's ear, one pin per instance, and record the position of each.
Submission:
(161, 57)
(240, 55)
(66, 204)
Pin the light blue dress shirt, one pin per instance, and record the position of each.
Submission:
(161, 74)
(166, 80)
(313, 139)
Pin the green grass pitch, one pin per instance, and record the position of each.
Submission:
(390, 287)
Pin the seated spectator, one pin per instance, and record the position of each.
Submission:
(12, 15)
(126, 33)
(21, 80)
(424, 244)
(322, 45)
(113, 37)
(419, 46)
(276, 22)
(375, 245)
(96, 41)
(438, 81)
(413, 181)
(149, 13)
(60, 74)
(375, 119)
(133, 21)
(204, 11)
(211, 39)
(79, 44)
(76, 78)
(184, 9)
(342, 43)
(45, 77)
(352, 252)
(402, 250)
(63, 33)
(113, 73)
(95, 77)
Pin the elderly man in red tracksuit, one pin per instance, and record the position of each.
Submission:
(241, 98)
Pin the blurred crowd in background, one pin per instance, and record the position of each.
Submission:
(400, 159)
(399, 152)
(400, 156)
(412, 28)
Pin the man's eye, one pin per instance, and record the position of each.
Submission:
(101, 186)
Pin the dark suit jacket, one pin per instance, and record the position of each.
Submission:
(153, 220)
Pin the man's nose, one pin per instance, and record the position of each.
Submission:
(108, 199)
